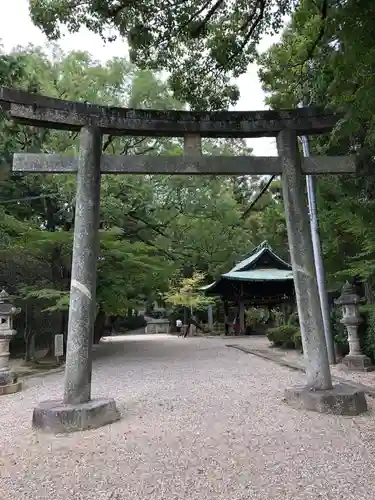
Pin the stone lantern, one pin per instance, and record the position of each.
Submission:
(8, 380)
(351, 319)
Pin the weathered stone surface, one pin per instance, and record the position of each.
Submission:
(193, 144)
(218, 165)
(10, 388)
(45, 111)
(57, 417)
(82, 304)
(340, 400)
(358, 363)
(302, 258)
(7, 377)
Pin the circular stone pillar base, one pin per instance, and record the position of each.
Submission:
(10, 388)
(342, 399)
(58, 418)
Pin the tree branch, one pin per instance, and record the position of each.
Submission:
(321, 32)
(264, 189)
(195, 15)
(197, 31)
(108, 142)
(246, 24)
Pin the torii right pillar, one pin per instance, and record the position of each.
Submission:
(319, 394)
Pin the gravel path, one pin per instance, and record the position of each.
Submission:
(199, 421)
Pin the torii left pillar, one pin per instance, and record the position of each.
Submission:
(78, 411)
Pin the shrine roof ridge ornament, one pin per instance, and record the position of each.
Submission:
(38, 110)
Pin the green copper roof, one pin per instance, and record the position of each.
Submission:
(255, 255)
(247, 269)
(255, 275)
(260, 275)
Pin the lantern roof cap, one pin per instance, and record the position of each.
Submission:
(4, 296)
(7, 308)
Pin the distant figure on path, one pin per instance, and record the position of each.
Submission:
(236, 325)
(178, 327)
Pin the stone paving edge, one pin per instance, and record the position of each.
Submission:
(294, 366)
(41, 373)
(51, 371)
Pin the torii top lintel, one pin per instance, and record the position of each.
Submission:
(42, 111)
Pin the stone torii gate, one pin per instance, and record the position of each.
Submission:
(77, 410)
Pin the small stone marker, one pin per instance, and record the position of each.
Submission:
(59, 346)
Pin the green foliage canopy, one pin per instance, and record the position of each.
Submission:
(151, 226)
(202, 43)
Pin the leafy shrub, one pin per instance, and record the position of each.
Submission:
(17, 344)
(340, 335)
(285, 336)
(293, 319)
(278, 317)
(254, 316)
(217, 329)
(132, 322)
(367, 331)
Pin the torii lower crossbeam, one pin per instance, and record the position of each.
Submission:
(183, 165)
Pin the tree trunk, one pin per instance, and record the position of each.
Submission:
(64, 328)
(198, 325)
(113, 320)
(28, 336)
(99, 325)
(226, 317)
(30, 347)
(368, 291)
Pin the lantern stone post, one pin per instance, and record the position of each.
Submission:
(9, 383)
(351, 319)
